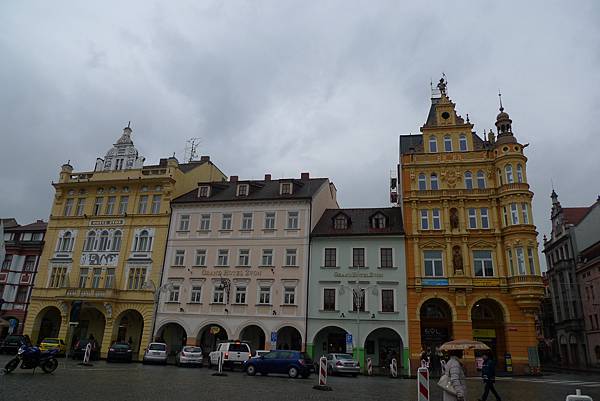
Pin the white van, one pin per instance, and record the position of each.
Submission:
(234, 353)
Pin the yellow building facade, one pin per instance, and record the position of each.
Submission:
(100, 271)
(471, 244)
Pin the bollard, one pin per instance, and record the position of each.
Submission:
(578, 397)
(322, 385)
(369, 367)
(219, 371)
(394, 368)
(423, 384)
(86, 355)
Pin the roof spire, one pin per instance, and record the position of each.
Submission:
(500, 97)
(129, 124)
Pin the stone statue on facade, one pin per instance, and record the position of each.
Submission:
(453, 218)
(457, 260)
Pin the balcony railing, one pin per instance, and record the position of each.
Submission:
(525, 280)
(516, 186)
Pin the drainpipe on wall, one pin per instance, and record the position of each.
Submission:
(307, 274)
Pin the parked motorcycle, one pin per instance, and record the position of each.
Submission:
(31, 358)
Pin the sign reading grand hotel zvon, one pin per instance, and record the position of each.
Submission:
(102, 223)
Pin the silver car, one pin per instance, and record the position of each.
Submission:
(189, 355)
(156, 353)
(342, 364)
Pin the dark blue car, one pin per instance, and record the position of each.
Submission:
(293, 363)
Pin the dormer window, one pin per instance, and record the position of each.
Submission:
(378, 221)
(204, 191)
(242, 190)
(285, 188)
(340, 222)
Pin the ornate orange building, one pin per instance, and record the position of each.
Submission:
(471, 245)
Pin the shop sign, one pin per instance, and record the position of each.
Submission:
(102, 223)
(484, 333)
(434, 281)
(230, 273)
(485, 282)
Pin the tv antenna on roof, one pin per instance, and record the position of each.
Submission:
(191, 149)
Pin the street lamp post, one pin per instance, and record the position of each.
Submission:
(225, 284)
(359, 294)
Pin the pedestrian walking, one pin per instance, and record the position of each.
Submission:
(488, 374)
(456, 375)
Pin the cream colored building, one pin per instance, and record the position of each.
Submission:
(105, 243)
(237, 262)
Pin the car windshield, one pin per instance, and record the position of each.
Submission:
(121, 346)
(50, 341)
(158, 347)
(239, 347)
(192, 349)
(344, 356)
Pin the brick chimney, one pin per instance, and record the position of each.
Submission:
(204, 159)
(233, 178)
(305, 176)
(267, 177)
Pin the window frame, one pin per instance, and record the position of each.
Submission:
(440, 259)
(447, 141)
(387, 258)
(482, 261)
(327, 258)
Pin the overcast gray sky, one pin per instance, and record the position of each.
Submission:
(288, 86)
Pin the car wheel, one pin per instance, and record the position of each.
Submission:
(251, 370)
(293, 372)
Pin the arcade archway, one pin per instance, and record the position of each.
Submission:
(488, 324)
(255, 336)
(129, 328)
(174, 335)
(289, 338)
(383, 344)
(436, 323)
(209, 336)
(47, 324)
(329, 339)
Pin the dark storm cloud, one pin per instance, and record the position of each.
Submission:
(284, 87)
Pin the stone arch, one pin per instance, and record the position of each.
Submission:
(208, 339)
(383, 343)
(128, 326)
(501, 304)
(173, 334)
(289, 337)
(488, 322)
(329, 338)
(440, 297)
(436, 316)
(254, 335)
(237, 333)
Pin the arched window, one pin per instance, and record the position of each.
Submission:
(462, 143)
(116, 241)
(447, 143)
(103, 243)
(65, 244)
(433, 183)
(90, 241)
(480, 179)
(509, 174)
(432, 144)
(468, 180)
(422, 182)
(143, 242)
(519, 173)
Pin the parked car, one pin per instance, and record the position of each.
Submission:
(156, 353)
(80, 346)
(260, 352)
(293, 363)
(342, 364)
(11, 344)
(119, 352)
(53, 343)
(234, 353)
(189, 355)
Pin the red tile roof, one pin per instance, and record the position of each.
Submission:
(573, 215)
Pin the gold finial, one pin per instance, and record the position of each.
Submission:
(500, 97)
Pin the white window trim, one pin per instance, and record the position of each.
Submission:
(287, 223)
(295, 287)
(217, 264)
(285, 256)
(442, 251)
(258, 292)
(337, 308)
(274, 220)
(239, 254)
(491, 259)
(393, 257)
(337, 258)
(196, 257)
(395, 298)
(351, 264)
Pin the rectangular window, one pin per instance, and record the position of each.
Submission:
(123, 202)
(200, 257)
(433, 263)
(524, 213)
(240, 294)
(143, 204)
(289, 295)
(83, 273)
(267, 257)
(358, 257)
(435, 219)
(270, 220)
(387, 258)
(203, 191)
(109, 282)
(137, 278)
(174, 294)
(155, 204)
(485, 220)
(218, 294)
(244, 257)
(329, 299)
(223, 257)
(7, 262)
(80, 206)
(184, 222)
(29, 264)
(264, 295)
(286, 188)
(21, 295)
(472, 217)
(205, 222)
(98, 205)
(226, 221)
(330, 257)
(448, 144)
(97, 273)
(68, 207)
(57, 278)
(520, 261)
(424, 220)
(531, 261)
(247, 221)
(483, 264)
(358, 299)
(387, 301)
(514, 213)
(290, 257)
(292, 221)
(196, 296)
(242, 190)
(179, 257)
(110, 205)
(505, 216)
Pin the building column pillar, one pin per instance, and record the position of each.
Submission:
(107, 337)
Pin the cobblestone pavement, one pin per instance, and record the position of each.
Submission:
(104, 381)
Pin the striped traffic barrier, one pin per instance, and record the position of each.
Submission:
(394, 368)
(322, 384)
(423, 384)
(87, 354)
(219, 371)
(369, 367)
